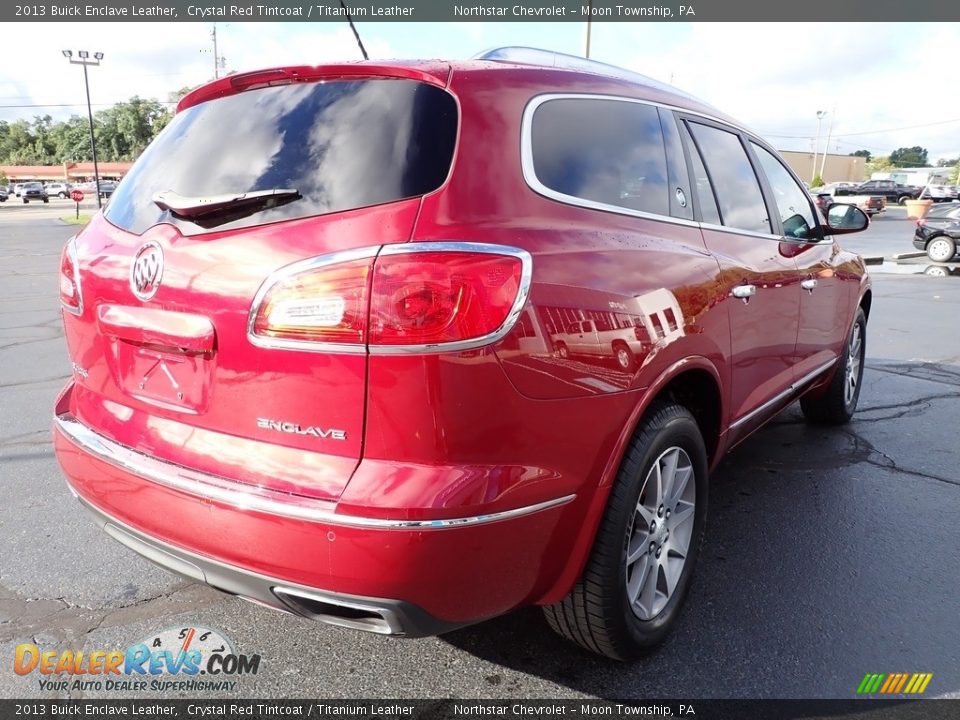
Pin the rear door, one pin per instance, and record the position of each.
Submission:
(758, 275)
(168, 354)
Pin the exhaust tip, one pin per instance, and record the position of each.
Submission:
(337, 611)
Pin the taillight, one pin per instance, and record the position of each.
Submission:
(323, 300)
(70, 296)
(921, 222)
(411, 297)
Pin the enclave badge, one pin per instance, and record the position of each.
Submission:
(146, 271)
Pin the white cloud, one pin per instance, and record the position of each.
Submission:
(772, 77)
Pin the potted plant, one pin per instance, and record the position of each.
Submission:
(917, 208)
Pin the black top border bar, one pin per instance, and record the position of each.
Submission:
(852, 11)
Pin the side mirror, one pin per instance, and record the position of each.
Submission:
(843, 218)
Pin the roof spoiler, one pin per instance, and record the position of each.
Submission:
(233, 84)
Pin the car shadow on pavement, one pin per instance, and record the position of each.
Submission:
(803, 565)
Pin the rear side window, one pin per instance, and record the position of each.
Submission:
(341, 144)
(604, 151)
(734, 181)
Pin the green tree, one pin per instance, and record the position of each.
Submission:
(915, 156)
(944, 162)
(865, 154)
(877, 164)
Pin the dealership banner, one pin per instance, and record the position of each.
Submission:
(862, 709)
(854, 11)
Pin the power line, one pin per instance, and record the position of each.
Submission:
(866, 132)
(119, 102)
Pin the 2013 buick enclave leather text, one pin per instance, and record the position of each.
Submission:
(404, 346)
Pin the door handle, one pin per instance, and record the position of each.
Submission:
(809, 284)
(744, 292)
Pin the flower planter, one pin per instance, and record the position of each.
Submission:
(916, 209)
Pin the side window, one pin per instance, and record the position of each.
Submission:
(606, 151)
(738, 190)
(681, 204)
(796, 214)
(701, 181)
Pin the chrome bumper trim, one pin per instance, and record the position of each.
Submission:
(254, 497)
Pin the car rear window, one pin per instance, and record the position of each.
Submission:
(341, 144)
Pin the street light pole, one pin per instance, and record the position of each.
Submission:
(816, 146)
(85, 60)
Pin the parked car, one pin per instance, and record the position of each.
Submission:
(33, 191)
(107, 188)
(3, 194)
(888, 189)
(937, 232)
(17, 188)
(61, 190)
(325, 381)
(822, 200)
(937, 193)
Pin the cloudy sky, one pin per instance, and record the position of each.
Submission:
(886, 85)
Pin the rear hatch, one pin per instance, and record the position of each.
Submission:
(232, 191)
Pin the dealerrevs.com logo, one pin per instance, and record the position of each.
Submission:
(177, 659)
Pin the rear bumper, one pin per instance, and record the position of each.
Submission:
(392, 576)
(378, 615)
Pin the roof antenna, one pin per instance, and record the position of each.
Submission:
(353, 27)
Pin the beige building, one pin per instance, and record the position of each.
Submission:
(837, 168)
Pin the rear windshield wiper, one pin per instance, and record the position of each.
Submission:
(212, 210)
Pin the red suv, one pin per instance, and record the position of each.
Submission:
(405, 346)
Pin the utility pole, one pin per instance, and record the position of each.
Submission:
(218, 62)
(816, 146)
(826, 146)
(586, 52)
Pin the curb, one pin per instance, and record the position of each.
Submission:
(908, 256)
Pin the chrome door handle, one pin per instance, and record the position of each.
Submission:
(744, 292)
(809, 284)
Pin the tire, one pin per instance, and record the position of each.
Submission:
(623, 356)
(902, 200)
(837, 404)
(941, 248)
(46, 200)
(598, 614)
(62, 195)
(25, 201)
(563, 351)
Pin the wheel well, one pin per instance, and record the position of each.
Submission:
(697, 391)
(866, 302)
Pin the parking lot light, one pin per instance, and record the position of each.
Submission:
(84, 60)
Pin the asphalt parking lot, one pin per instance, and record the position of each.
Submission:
(830, 553)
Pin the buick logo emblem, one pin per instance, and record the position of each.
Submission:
(146, 271)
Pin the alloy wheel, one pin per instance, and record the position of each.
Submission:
(659, 534)
(854, 360)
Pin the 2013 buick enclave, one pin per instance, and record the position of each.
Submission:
(322, 352)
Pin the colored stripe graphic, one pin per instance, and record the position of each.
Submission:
(894, 683)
